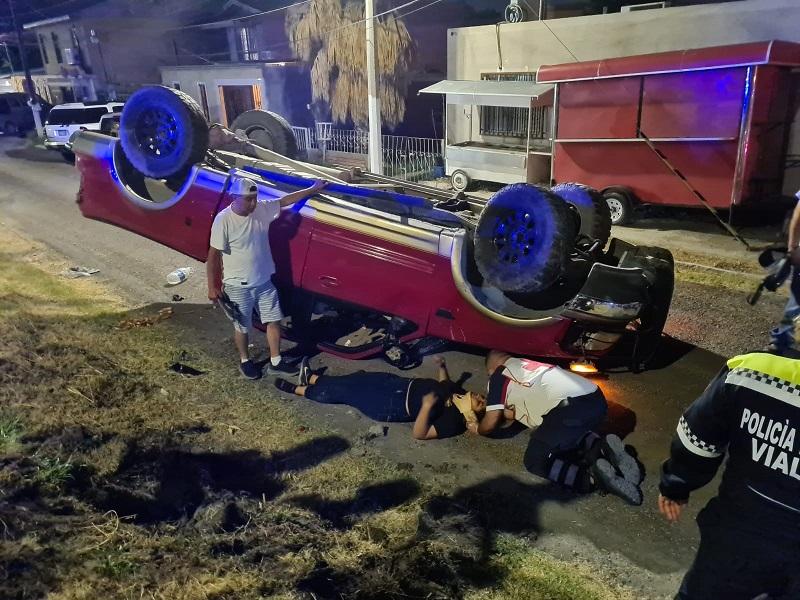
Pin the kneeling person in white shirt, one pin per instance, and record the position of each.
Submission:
(563, 410)
(240, 263)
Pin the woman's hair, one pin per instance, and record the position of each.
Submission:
(463, 402)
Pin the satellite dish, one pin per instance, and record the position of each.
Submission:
(514, 13)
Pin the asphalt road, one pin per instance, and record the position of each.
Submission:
(37, 197)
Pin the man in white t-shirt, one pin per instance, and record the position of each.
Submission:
(240, 266)
(563, 409)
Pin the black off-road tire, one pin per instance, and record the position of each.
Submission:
(268, 130)
(592, 209)
(524, 238)
(163, 132)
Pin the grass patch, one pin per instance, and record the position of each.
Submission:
(53, 472)
(534, 575)
(136, 482)
(10, 433)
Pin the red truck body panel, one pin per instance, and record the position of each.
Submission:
(330, 260)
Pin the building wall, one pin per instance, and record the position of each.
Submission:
(122, 55)
(214, 76)
(525, 46)
(127, 53)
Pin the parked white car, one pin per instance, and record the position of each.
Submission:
(66, 120)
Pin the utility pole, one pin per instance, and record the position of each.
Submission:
(32, 100)
(374, 105)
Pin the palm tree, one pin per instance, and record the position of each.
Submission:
(330, 37)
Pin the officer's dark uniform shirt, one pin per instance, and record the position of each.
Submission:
(751, 411)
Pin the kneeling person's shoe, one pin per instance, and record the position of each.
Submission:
(613, 450)
(282, 368)
(609, 480)
(250, 370)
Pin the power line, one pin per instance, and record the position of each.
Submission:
(273, 10)
(544, 22)
(259, 14)
(411, 12)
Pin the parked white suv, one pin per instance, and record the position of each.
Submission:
(65, 120)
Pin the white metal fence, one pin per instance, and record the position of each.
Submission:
(409, 158)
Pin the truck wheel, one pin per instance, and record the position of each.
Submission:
(268, 130)
(620, 205)
(523, 239)
(460, 181)
(592, 208)
(163, 131)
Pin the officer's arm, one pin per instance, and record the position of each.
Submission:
(700, 441)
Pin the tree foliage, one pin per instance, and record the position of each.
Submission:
(324, 36)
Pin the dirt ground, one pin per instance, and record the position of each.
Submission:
(282, 498)
(120, 478)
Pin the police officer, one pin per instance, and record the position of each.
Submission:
(750, 532)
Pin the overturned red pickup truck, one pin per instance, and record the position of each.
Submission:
(531, 271)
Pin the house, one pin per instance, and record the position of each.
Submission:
(106, 51)
(226, 61)
(240, 58)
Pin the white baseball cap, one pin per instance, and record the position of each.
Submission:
(242, 186)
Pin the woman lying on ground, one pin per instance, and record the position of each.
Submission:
(563, 410)
(438, 408)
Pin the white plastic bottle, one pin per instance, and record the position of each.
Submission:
(179, 275)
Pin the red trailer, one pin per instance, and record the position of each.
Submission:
(675, 128)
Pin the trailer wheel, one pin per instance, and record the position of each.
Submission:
(523, 238)
(592, 208)
(620, 205)
(460, 181)
(268, 130)
(163, 131)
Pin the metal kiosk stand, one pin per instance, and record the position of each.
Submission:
(494, 158)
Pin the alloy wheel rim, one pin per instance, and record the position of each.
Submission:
(514, 237)
(615, 207)
(157, 131)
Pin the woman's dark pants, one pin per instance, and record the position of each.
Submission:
(380, 396)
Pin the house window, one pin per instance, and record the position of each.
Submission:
(43, 46)
(176, 85)
(509, 121)
(249, 43)
(201, 87)
(57, 45)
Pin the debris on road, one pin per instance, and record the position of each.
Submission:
(183, 369)
(162, 315)
(177, 298)
(376, 431)
(78, 271)
(179, 275)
